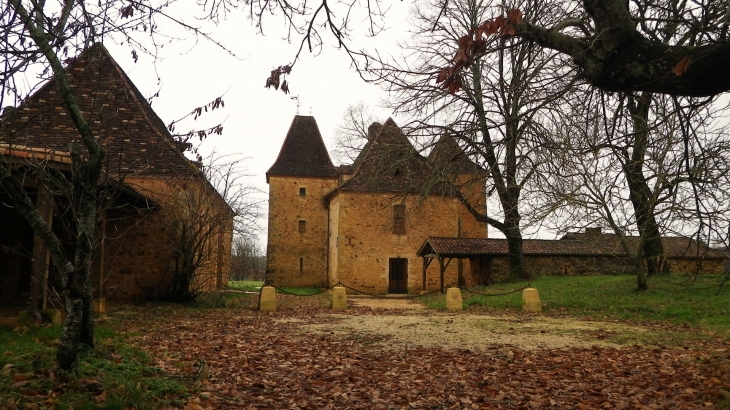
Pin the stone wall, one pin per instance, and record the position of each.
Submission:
(138, 259)
(498, 266)
(362, 239)
(136, 256)
(295, 258)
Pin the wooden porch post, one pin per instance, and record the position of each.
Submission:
(44, 205)
(442, 269)
(101, 293)
(219, 263)
(424, 273)
(426, 263)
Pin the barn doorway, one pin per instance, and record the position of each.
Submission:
(398, 275)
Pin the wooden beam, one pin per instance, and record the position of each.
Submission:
(39, 273)
(442, 268)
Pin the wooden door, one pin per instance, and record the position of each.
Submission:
(398, 275)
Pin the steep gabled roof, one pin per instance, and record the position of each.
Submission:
(387, 163)
(303, 152)
(448, 157)
(137, 140)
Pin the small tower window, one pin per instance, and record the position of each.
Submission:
(302, 191)
(302, 226)
(397, 173)
(301, 265)
(399, 219)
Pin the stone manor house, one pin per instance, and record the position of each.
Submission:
(388, 224)
(353, 224)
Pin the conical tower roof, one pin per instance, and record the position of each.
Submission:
(303, 152)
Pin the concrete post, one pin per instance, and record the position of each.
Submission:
(267, 299)
(531, 300)
(453, 299)
(339, 298)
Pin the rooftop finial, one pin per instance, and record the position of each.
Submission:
(296, 97)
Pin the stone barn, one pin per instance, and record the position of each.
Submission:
(144, 201)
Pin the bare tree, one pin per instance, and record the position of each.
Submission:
(351, 134)
(203, 212)
(620, 161)
(616, 47)
(37, 37)
(248, 261)
(500, 119)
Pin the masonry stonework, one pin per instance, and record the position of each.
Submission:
(363, 242)
(351, 237)
(298, 252)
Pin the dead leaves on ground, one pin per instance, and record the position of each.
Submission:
(245, 359)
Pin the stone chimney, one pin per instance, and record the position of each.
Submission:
(373, 129)
(593, 232)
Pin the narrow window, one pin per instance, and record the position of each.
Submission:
(399, 219)
(302, 191)
(301, 265)
(397, 173)
(302, 226)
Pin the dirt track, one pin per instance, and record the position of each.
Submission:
(406, 323)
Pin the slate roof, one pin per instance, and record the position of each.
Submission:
(303, 152)
(387, 163)
(454, 247)
(137, 140)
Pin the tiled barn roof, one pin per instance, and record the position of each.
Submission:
(137, 140)
(676, 247)
(303, 152)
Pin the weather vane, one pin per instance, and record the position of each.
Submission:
(296, 97)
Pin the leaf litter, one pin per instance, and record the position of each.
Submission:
(305, 356)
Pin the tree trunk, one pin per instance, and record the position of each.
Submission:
(516, 258)
(87, 167)
(639, 192)
(641, 282)
(656, 260)
(619, 58)
(69, 347)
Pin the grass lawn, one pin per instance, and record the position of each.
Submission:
(114, 376)
(673, 299)
(303, 291)
(254, 286)
(247, 285)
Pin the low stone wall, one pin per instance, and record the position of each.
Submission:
(498, 267)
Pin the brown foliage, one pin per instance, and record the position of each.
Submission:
(473, 45)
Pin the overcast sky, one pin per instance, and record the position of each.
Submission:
(256, 119)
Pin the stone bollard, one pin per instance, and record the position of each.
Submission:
(531, 300)
(100, 305)
(267, 299)
(453, 299)
(339, 298)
